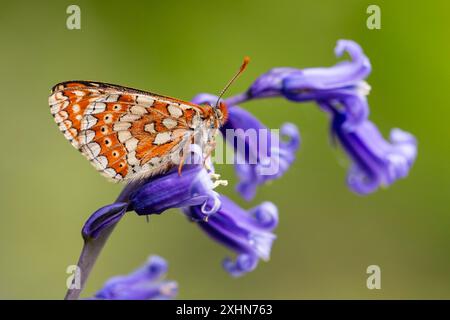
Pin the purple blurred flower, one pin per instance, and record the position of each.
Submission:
(342, 82)
(376, 162)
(260, 157)
(145, 283)
(248, 233)
(260, 154)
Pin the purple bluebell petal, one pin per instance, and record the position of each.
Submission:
(193, 187)
(239, 118)
(271, 83)
(376, 162)
(205, 98)
(259, 155)
(160, 193)
(341, 82)
(342, 75)
(266, 214)
(259, 160)
(144, 283)
(103, 218)
(248, 233)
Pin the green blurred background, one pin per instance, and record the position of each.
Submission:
(327, 235)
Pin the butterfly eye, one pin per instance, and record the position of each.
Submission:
(121, 165)
(107, 142)
(116, 107)
(107, 118)
(115, 154)
(104, 129)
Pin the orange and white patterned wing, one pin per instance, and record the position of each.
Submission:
(125, 133)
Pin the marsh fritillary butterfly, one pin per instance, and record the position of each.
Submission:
(129, 134)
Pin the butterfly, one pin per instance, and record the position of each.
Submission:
(130, 134)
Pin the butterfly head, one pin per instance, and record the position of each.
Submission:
(220, 108)
(220, 114)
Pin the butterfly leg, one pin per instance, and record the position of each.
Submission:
(185, 151)
(182, 159)
(208, 156)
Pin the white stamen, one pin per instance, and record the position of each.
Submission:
(219, 183)
(215, 175)
(363, 88)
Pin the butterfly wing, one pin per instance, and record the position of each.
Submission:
(125, 133)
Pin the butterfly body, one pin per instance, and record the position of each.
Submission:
(129, 134)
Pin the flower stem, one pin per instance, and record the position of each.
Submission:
(92, 247)
(247, 96)
(240, 98)
(89, 254)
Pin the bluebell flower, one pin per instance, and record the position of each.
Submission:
(193, 187)
(265, 156)
(247, 233)
(145, 283)
(339, 90)
(260, 154)
(158, 194)
(342, 82)
(376, 162)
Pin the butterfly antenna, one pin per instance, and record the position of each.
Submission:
(241, 69)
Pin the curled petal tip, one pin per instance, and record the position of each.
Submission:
(103, 218)
(247, 233)
(376, 162)
(291, 131)
(243, 264)
(157, 266)
(266, 214)
(355, 51)
(211, 205)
